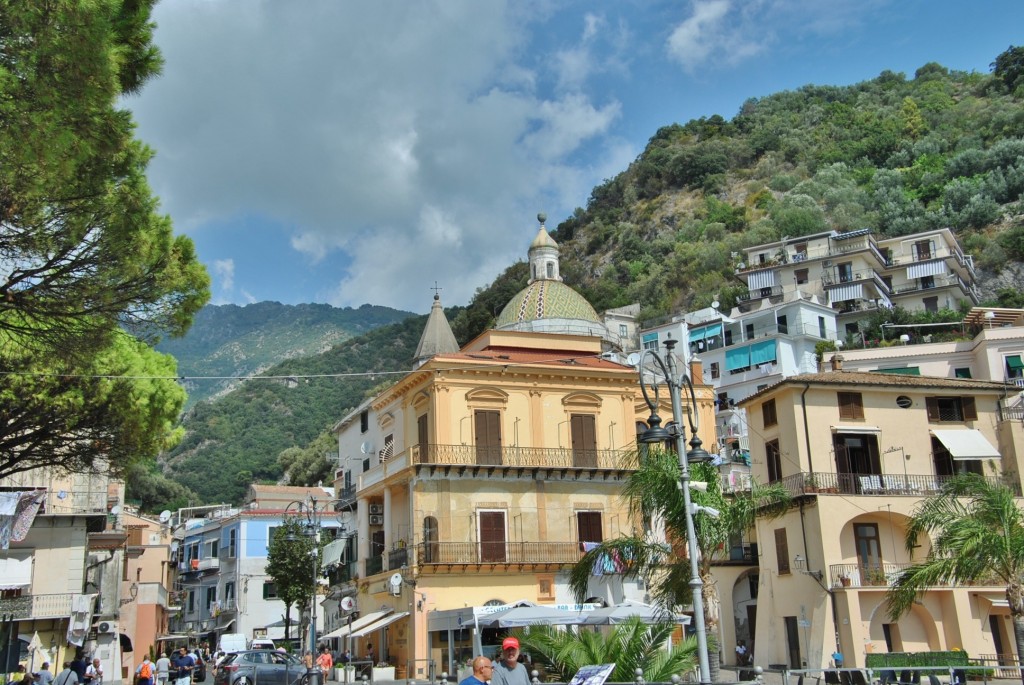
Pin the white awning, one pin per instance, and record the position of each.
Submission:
(334, 552)
(856, 430)
(16, 570)
(360, 622)
(966, 444)
(926, 269)
(996, 606)
(383, 623)
(227, 625)
(854, 291)
(761, 279)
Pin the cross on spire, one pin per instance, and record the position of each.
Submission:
(437, 291)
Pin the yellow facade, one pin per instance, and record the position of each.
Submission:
(488, 469)
(859, 451)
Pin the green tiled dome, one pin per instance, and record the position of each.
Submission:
(545, 299)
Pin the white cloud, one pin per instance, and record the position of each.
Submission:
(415, 138)
(223, 276)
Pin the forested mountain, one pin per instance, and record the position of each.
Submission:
(228, 340)
(894, 154)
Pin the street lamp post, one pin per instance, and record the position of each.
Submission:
(311, 528)
(656, 434)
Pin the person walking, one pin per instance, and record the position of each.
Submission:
(182, 664)
(67, 676)
(144, 672)
(482, 671)
(163, 669)
(44, 677)
(325, 662)
(509, 671)
(78, 665)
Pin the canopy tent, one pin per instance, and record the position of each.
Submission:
(519, 617)
(620, 613)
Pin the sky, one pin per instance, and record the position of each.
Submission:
(350, 152)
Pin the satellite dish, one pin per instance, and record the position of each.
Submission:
(396, 580)
(366, 448)
(347, 604)
(165, 516)
(633, 359)
(715, 304)
(116, 509)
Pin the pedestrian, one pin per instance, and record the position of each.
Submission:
(182, 664)
(78, 665)
(369, 653)
(163, 669)
(93, 673)
(741, 653)
(145, 671)
(67, 676)
(326, 663)
(44, 677)
(18, 675)
(509, 671)
(482, 671)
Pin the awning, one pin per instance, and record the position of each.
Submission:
(737, 358)
(334, 552)
(357, 624)
(1014, 363)
(857, 430)
(16, 570)
(903, 371)
(926, 269)
(696, 334)
(762, 352)
(996, 606)
(854, 291)
(226, 625)
(761, 279)
(383, 623)
(966, 444)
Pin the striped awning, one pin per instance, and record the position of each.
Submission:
(853, 291)
(761, 279)
(933, 268)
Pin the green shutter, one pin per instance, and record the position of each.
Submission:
(904, 371)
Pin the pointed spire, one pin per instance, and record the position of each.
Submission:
(543, 255)
(437, 335)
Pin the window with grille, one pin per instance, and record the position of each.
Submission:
(942, 409)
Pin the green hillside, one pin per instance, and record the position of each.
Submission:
(229, 340)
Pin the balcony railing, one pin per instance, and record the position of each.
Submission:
(882, 575)
(874, 484)
(399, 557)
(210, 563)
(563, 457)
(37, 606)
(498, 552)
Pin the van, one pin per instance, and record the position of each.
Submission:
(232, 642)
(262, 643)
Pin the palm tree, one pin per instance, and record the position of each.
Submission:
(630, 645)
(977, 535)
(655, 498)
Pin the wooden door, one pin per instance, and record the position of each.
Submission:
(487, 426)
(492, 536)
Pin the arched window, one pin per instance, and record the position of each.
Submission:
(551, 269)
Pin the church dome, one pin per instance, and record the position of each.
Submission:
(544, 299)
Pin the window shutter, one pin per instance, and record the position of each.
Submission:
(782, 550)
(932, 406)
(970, 410)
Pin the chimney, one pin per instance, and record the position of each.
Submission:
(696, 370)
(837, 362)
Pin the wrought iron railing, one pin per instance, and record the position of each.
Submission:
(374, 564)
(885, 484)
(37, 606)
(498, 552)
(882, 574)
(398, 557)
(1011, 413)
(561, 457)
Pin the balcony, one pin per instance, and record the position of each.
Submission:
(881, 575)
(37, 606)
(208, 564)
(526, 457)
(346, 499)
(469, 553)
(873, 484)
(759, 294)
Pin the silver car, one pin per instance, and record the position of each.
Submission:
(260, 667)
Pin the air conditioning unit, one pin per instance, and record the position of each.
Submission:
(376, 509)
(106, 628)
(376, 519)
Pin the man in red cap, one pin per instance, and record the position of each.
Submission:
(509, 671)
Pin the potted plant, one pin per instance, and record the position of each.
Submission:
(844, 580)
(810, 483)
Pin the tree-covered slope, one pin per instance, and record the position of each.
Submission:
(229, 340)
(236, 440)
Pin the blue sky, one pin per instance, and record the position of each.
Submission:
(351, 152)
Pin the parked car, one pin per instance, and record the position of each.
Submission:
(262, 643)
(259, 667)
